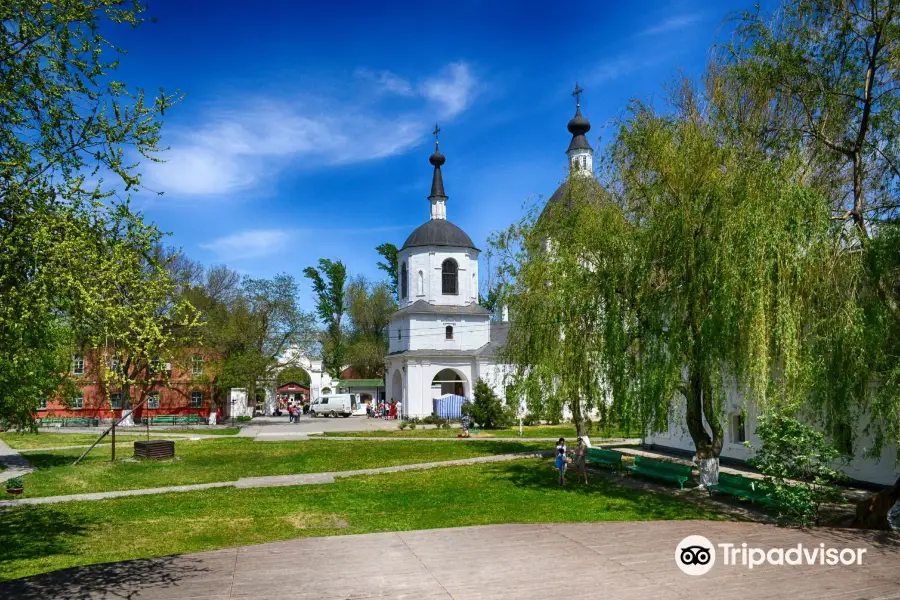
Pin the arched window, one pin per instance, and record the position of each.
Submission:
(449, 274)
(404, 281)
(420, 290)
(449, 330)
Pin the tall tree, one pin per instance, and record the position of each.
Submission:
(390, 265)
(63, 116)
(826, 75)
(369, 306)
(328, 282)
(692, 276)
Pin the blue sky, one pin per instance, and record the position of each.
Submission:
(306, 128)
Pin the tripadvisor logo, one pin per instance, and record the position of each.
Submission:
(696, 555)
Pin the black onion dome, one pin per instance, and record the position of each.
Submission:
(578, 125)
(437, 159)
(438, 232)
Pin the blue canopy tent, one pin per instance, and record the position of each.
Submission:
(449, 406)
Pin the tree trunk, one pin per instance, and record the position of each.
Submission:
(578, 418)
(699, 409)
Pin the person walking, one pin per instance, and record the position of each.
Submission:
(465, 424)
(561, 460)
(580, 461)
(393, 410)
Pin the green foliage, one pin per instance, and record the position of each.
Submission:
(328, 283)
(68, 244)
(486, 409)
(403, 425)
(820, 80)
(390, 265)
(369, 306)
(244, 419)
(796, 461)
(14, 483)
(412, 425)
(293, 374)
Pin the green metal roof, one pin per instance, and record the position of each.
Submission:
(357, 383)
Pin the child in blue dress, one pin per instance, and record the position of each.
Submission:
(561, 460)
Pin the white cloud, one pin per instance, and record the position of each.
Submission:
(238, 146)
(258, 243)
(254, 243)
(454, 89)
(673, 24)
(387, 81)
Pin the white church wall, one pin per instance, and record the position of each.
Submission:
(399, 335)
(428, 332)
(428, 262)
(882, 470)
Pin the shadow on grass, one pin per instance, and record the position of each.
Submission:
(35, 532)
(648, 503)
(45, 460)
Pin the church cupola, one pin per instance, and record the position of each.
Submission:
(438, 198)
(580, 152)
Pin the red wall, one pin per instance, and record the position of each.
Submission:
(174, 396)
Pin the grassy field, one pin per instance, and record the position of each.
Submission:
(229, 459)
(25, 441)
(538, 431)
(37, 539)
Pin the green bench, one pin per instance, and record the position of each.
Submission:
(65, 421)
(658, 469)
(598, 456)
(174, 420)
(743, 487)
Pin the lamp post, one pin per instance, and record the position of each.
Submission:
(233, 402)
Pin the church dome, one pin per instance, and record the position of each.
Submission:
(438, 232)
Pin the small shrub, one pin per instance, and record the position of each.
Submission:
(412, 425)
(445, 425)
(403, 425)
(15, 482)
(487, 410)
(796, 462)
(244, 419)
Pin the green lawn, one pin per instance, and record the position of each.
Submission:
(229, 459)
(37, 539)
(25, 441)
(537, 431)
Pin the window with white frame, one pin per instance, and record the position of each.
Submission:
(197, 366)
(78, 365)
(448, 331)
(43, 404)
(153, 401)
(78, 402)
(449, 277)
(196, 399)
(115, 400)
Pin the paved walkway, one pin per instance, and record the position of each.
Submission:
(16, 464)
(571, 560)
(272, 480)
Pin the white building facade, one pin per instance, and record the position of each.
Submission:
(441, 340)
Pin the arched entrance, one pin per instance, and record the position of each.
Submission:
(450, 382)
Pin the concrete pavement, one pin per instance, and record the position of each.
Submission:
(634, 560)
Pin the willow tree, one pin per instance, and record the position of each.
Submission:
(826, 73)
(560, 269)
(692, 274)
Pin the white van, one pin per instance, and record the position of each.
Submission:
(333, 405)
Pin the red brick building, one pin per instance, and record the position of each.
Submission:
(178, 388)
